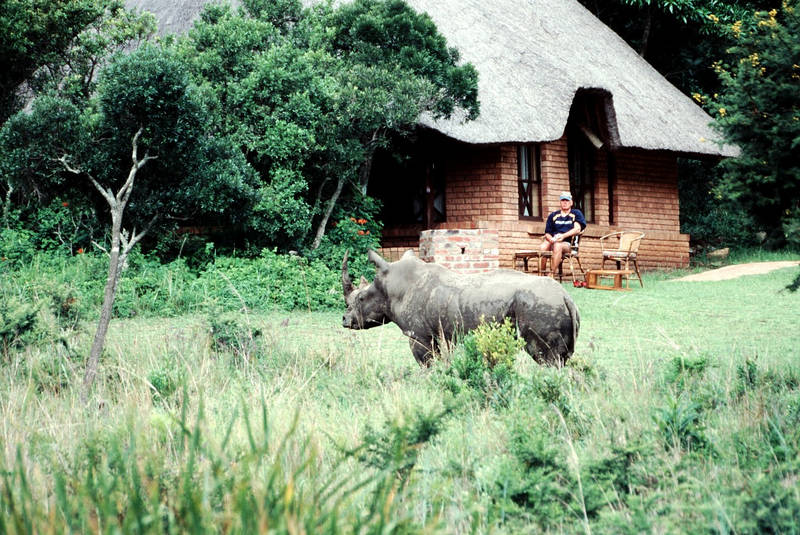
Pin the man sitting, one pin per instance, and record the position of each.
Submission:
(561, 226)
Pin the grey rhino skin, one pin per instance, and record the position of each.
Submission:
(431, 304)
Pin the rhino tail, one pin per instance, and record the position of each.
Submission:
(576, 322)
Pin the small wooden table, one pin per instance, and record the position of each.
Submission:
(525, 256)
(594, 278)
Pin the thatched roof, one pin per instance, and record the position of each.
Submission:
(532, 57)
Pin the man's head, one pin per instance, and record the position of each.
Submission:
(566, 200)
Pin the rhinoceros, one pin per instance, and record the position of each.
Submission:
(431, 304)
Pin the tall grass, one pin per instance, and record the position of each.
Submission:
(680, 412)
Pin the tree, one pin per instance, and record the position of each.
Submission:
(142, 144)
(43, 42)
(758, 109)
(680, 38)
(309, 96)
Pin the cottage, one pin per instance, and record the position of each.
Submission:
(566, 104)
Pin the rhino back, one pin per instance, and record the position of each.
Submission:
(429, 299)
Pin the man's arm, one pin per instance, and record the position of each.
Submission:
(576, 229)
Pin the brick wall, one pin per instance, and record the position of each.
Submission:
(465, 250)
(482, 193)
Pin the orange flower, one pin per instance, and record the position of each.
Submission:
(367, 232)
(353, 219)
(360, 232)
(80, 250)
(362, 221)
(65, 203)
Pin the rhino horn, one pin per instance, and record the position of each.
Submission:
(379, 262)
(347, 284)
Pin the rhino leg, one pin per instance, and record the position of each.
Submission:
(423, 353)
(550, 350)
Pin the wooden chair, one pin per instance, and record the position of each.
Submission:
(626, 250)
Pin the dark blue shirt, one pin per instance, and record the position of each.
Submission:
(560, 224)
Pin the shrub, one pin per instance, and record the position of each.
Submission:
(52, 371)
(165, 382)
(747, 377)
(17, 323)
(272, 281)
(397, 444)
(232, 333)
(551, 386)
(533, 485)
(356, 232)
(498, 343)
(681, 425)
(484, 361)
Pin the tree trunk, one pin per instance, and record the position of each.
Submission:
(108, 306)
(328, 211)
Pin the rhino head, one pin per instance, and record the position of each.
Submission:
(367, 305)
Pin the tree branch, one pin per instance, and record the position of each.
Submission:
(124, 192)
(106, 193)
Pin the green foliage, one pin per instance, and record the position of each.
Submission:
(395, 447)
(123, 483)
(272, 281)
(498, 343)
(165, 382)
(759, 110)
(711, 221)
(747, 376)
(484, 362)
(552, 387)
(233, 333)
(533, 484)
(54, 371)
(17, 323)
(570, 450)
(356, 233)
(16, 248)
(680, 424)
(309, 94)
(683, 371)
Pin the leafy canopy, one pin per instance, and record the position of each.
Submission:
(759, 110)
(310, 93)
(193, 173)
(44, 43)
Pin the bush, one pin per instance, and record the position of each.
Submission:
(356, 231)
(680, 424)
(17, 323)
(232, 333)
(484, 361)
(396, 445)
(272, 281)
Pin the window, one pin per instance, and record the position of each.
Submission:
(529, 171)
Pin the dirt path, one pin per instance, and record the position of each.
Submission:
(732, 272)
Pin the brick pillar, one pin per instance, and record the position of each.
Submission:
(462, 250)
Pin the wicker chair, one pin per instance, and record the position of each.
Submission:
(626, 250)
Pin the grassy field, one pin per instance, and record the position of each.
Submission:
(679, 412)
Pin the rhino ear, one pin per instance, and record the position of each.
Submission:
(380, 263)
(409, 254)
(363, 283)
